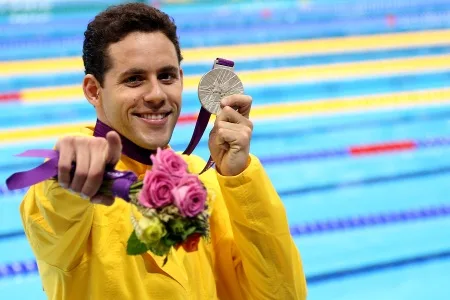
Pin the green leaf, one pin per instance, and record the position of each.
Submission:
(188, 232)
(176, 226)
(159, 249)
(135, 246)
(169, 240)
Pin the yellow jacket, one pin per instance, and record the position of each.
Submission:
(81, 247)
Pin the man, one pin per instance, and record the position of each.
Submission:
(133, 79)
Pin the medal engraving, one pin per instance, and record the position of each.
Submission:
(216, 85)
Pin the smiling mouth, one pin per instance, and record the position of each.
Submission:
(155, 117)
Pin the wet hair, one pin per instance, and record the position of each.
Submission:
(113, 25)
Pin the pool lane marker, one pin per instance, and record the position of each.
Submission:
(370, 220)
(378, 267)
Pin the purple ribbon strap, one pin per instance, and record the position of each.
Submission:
(43, 172)
(129, 148)
(202, 123)
(121, 181)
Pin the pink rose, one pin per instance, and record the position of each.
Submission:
(190, 196)
(156, 191)
(168, 161)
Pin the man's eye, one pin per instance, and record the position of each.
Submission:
(167, 77)
(135, 79)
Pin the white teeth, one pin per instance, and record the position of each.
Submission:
(153, 116)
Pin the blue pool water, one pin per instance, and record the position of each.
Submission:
(405, 259)
(328, 252)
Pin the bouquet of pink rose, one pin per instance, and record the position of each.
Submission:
(173, 203)
(174, 206)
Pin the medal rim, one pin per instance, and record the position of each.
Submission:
(202, 101)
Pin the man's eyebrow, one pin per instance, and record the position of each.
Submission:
(140, 71)
(133, 71)
(169, 69)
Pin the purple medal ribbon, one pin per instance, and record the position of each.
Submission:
(43, 172)
(121, 181)
(202, 123)
(129, 148)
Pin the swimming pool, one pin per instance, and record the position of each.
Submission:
(364, 187)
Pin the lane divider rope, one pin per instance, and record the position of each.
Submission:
(30, 266)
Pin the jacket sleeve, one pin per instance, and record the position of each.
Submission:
(57, 223)
(258, 259)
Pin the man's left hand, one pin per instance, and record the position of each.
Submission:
(229, 140)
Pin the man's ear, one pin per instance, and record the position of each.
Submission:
(91, 89)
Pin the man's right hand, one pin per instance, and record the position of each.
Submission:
(91, 155)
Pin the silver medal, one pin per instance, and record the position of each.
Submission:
(216, 85)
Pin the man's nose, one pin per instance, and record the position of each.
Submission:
(155, 97)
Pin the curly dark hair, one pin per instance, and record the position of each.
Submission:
(113, 25)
